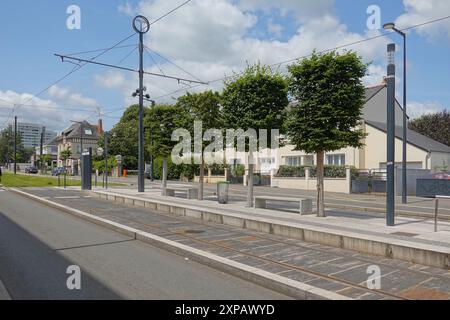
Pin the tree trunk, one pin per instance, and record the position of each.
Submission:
(164, 177)
(250, 181)
(201, 178)
(320, 191)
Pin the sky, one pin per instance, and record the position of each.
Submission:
(206, 40)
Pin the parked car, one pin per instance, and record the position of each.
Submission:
(32, 170)
(58, 171)
(442, 176)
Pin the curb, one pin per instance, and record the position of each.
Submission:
(263, 278)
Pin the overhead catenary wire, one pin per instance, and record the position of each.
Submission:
(128, 55)
(171, 11)
(173, 63)
(99, 50)
(153, 59)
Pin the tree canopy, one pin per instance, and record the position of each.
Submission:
(160, 122)
(256, 99)
(7, 147)
(435, 126)
(330, 96)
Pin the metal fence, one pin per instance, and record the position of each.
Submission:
(369, 181)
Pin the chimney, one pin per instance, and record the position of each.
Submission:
(100, 126)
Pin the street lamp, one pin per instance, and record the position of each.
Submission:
(146, 97)
(391, 26)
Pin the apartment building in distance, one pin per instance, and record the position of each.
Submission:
(31, 134)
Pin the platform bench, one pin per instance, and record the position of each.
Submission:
(191, 193)
(305, 204)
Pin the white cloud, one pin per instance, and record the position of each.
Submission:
(303, 10)
(211, 39)
(419, 11)
(41, 111)
(274, 28)
(65, 96)
(375, 76)
(110, 80)
(127, 8)
(416, 109)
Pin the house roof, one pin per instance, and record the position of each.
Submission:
(373, 91)
(52, 142)
(74, 131)
(414, 138)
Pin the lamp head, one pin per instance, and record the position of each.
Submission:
(389, 26)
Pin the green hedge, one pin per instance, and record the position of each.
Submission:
(329, 171)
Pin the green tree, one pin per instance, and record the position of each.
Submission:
(330, 95)
(256, 99)
(7, 146)
(435, 126)
(160, 122)
(204, 107)
(123, 137)
(65, 154)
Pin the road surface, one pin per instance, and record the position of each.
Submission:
(38, 244)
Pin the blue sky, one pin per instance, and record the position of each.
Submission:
(209, 38)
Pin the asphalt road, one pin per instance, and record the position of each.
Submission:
(38, 244)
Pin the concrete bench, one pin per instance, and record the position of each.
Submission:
(191, 193)
(305, 204)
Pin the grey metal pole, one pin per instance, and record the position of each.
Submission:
(151, 159)
(405, 127)
(106, 160)
(81, 151)
(41, 150)
(436, 211)
(15, 145)
(390, 187)
(141, 181)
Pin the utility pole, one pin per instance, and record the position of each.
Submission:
(391, 26)
(106, 160)
(41, 150)
(151, 159)
(141, 30)
(390, 161)
(15, 145)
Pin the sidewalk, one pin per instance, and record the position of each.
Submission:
(412, 240)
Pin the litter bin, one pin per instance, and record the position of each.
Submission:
(222, 192)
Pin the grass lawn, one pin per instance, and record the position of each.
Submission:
(20, 180)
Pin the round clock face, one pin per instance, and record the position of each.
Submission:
(141, 24)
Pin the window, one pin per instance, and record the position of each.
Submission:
(293, 161)
(336, 159)
(88, 132)
(266, 160)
